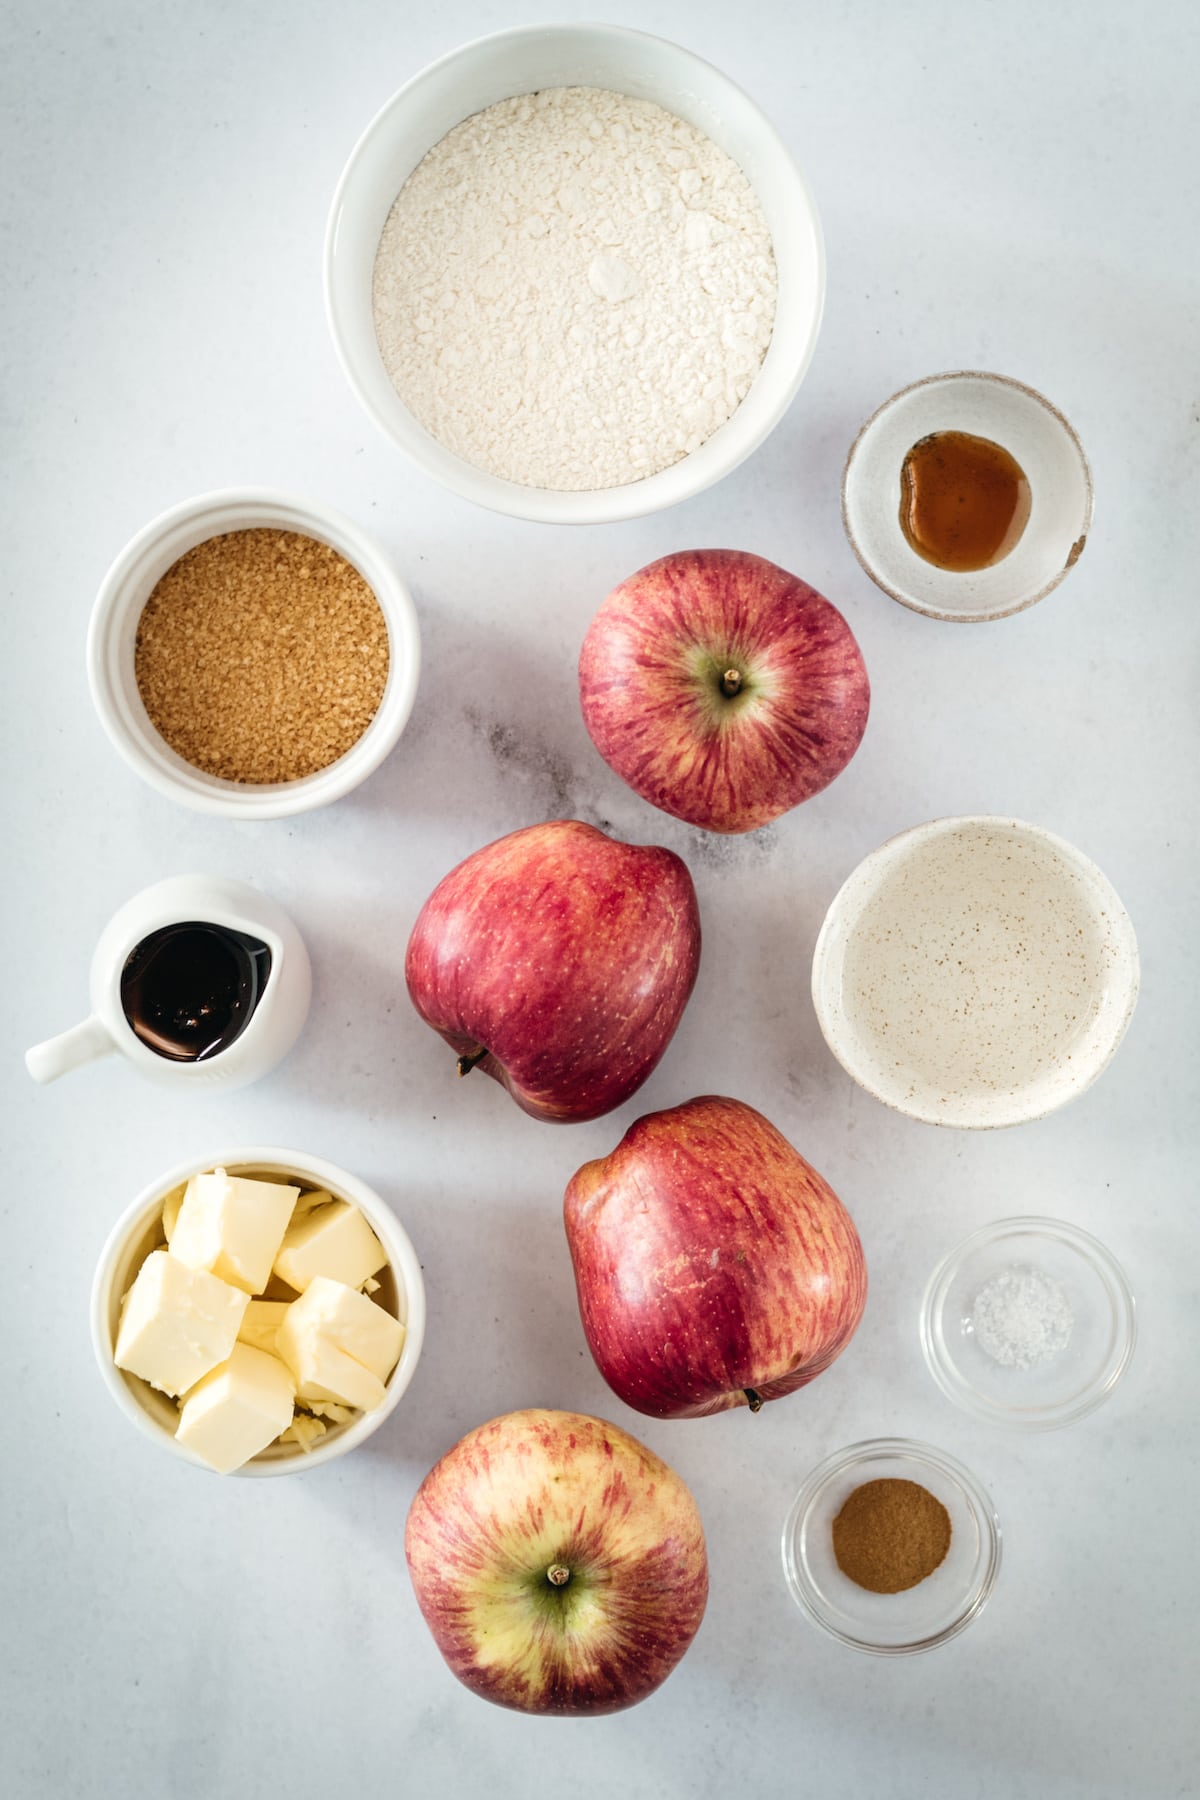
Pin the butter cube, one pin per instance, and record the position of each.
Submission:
(260, 1322)
(170, 1213)
(177, 1323)
(238, 1409)
(354, 1324)
(333, 1240)
(310, 1197)
(339, 1345)
(233, 1225)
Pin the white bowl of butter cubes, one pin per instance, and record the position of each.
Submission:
(258, 1312)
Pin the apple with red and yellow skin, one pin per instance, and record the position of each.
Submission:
(559, 1564)
(722, 689)
(714, 1266)
(559, 961)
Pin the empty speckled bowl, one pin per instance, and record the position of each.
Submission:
(1077, 1375)
(975, 972)
(1030, 429)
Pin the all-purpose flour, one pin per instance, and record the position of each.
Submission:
(574, 289)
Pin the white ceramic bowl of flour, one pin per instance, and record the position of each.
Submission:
(975, 972)
(527, 61)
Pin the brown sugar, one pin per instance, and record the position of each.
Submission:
(261, 656)
(890, 1535)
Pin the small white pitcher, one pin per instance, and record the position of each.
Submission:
(269, 1033)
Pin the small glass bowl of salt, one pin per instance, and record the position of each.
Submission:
(1029, 1322)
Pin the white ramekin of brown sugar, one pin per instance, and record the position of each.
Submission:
(253, 654)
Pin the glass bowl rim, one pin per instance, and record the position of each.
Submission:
(795, 1570)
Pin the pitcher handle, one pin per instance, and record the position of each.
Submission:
(59, 1055)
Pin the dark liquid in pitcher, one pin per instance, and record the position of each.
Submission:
(189, 990)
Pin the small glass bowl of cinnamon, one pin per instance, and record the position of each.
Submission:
(891, 1546)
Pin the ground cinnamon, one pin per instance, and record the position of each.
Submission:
(890, 1535)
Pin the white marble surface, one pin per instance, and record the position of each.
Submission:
(1004, 187)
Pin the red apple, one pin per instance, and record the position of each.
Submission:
(559, 1564)
(714, 1266)
(722, 689)
(559, 961)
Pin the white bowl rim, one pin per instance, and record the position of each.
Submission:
(275, 800)
(979, 616)
(958, 1389)
(598, 506)
(401, 1255)
(864, 1451)
(1119, 919)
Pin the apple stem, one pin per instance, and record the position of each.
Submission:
(753, 1400)
(557, 1574)
(467, 1063)
(731, 682)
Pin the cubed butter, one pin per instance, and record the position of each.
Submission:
(170, 1213)
(233, 1226)
(260, 1322)
(333, 1240)
(310, 1197)
(329, 1409)
(354, 1324)
(304, 1430)
(238, 1409)
(177, 1323)
(339, 1345)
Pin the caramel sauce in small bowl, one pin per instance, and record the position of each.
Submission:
(964, 500)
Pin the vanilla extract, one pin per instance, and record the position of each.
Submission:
(964, 501)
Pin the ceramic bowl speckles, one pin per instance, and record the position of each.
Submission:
(975, 972)
(1031, 430)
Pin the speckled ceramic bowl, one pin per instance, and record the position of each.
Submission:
(975, 972)
(1030, 429)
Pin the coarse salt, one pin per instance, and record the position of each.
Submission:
(1022, 1317)
(574, 289)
